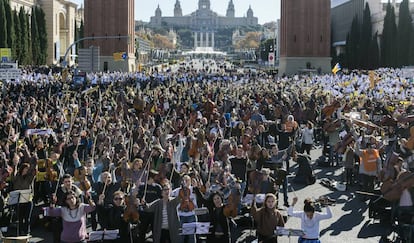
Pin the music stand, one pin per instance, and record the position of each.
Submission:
(195, 228)
(15, 199)
(103, 235)
(289, 232)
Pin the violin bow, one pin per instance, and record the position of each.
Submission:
(146, 181)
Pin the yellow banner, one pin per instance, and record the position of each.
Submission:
(5, 52)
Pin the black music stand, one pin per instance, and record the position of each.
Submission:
(100, 236)
(16, 198)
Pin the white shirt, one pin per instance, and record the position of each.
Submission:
(310, 226)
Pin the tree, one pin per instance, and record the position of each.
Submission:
(3, 25)
(17, 43)
(388, 39)
(366, 38)
(11, 36)
(35, 42)
(353, 45)
(374, 52)
(250, 41)
(41, 25)
(162, 42)
(404, 34)
(23, 52)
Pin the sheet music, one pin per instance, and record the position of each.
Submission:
(104, 234)
(199, 228)
(289, 232)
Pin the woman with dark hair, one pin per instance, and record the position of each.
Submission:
(113, 215)
(73, 214)
(267, 218)
(23, 180)
(220, 230)
(309, 220)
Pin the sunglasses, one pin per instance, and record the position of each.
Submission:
(118, 198)
(166, 189)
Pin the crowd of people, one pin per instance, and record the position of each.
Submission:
(148, 151)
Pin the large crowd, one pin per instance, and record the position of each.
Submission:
(149, 151)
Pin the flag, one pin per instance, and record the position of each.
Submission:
(336, 68)
(271, 58)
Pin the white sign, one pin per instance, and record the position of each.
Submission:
(271, 58)
(9, 71)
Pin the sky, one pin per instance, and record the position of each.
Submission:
(264, 10)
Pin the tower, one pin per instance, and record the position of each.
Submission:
(111, 18)
(250, 12)
(230, 10)
(203, 4)
(305, 36)
(178, 12)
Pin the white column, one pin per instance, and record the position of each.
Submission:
(195, 40)
(212, 40)
(206, 39)
(201, 39)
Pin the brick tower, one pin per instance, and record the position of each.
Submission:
(111, 18)
(305, 36)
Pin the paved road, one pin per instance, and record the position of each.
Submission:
(350, 222)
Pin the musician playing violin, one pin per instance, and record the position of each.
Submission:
(220, 231)
(152, 192)
(112, 215)
(187, 205)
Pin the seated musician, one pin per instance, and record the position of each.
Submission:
(112, 215)
(268, 184)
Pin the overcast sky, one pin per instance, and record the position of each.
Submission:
(265, 10)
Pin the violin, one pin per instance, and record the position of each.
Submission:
(131, 213)
(233, 201)
(392, 191)
(80, 174)
(410, 142)
(4, 173)
(255, 181)
(51, 174)
(340, 147)
(328, 110)
(186, 204)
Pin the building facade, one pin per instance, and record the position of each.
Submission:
(343, 12)
(305, 36)
(112, 24)
(203, 22)
(61, 17)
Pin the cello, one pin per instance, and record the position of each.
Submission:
(392, 191)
